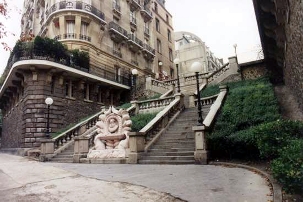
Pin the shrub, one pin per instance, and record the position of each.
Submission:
(248, 104)
(80, 58)
(140, 120)
(210, 90)
(288, 168)
(124, 106)
(275, 135)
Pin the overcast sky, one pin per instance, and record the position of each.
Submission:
(219, 23)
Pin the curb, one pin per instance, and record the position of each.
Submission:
(277, 190)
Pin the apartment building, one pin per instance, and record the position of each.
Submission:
(117, 35)
(190, 48)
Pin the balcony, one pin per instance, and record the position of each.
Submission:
(133, 23)
(146, 32)
(134, 4)
(134, 43)
(77, 6)
(117, 33)
(134, 62)
(117, 53)
(116, 10)
(57, 38)
(69, 36)
(148, 52)
(146, 14)
(84, 37)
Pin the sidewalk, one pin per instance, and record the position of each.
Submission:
(25, 180)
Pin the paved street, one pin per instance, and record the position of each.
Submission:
(25, 180)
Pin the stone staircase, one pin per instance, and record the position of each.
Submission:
(65, 156)
(177, 144)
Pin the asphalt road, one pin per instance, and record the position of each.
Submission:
(26, 180)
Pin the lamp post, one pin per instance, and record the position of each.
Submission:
(134, 81)
(48, 101)
(160, 70)
(195, 67)
(176, 62)
(235, 47)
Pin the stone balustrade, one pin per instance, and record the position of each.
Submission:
(218, 73)
(153, 105)
(148, 135)
(201, 153)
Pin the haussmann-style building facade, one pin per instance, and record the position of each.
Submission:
(118, 36)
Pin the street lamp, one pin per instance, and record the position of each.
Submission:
(48, 101)
(160, 70)
(176, 62)
(235, 47)
(134, 80)
(195, 67)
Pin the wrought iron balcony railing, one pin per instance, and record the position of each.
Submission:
(75, 5)
(84, 37)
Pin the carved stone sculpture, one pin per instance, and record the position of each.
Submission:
(112, 139)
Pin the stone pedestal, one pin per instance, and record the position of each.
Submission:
(47, 149)
(201, 154)
(192, 101)
(81, 148)
(136, 145)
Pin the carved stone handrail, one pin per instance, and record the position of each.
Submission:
(157, 125)
(76, 130)
(207, 100)
(217, 73)
(152, 104)
(160, 84)
(201, 153)
(217, 104)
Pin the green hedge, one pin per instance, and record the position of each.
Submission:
(140, 120)
(273, 136)
(288, 167)
(248, 104)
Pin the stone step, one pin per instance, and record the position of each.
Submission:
(172, 162)
(169, 153)
(165, 158)
(171, 150)
(67, 152)
(177, 137)
(175, 142)
(62, 160)
(64, 156)
(187, 147)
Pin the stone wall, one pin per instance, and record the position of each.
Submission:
(13, 126)
(25, 124)
(293, 71)
(253, 70)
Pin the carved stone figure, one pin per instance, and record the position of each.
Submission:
(112, 139)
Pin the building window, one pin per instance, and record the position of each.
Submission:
(70, 29)
(100, 94)
(146, 28)
(172, 73)
(118, 74)
(167, 19)
(83, 32)
(157, 25)
(52, 84)
(133, 17)
(87, 91)
(69, 88)
(156, 7)
(170, 54)
(159, 46)
(168, 35)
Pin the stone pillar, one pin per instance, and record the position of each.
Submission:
(201, 154)
(148, 83)
(192, 101)
(47, 149)
(77, 26)
(81, 148)
(136, 145)
(181, 97)
(233, 65)
(135, 103)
